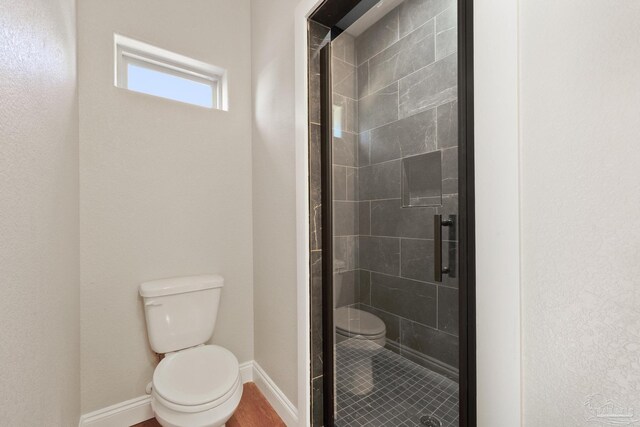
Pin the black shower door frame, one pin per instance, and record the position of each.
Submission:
(329, 13)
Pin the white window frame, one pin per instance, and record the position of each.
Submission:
(130, 51)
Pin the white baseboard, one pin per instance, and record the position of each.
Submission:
(275, 396)
(137, 410)
(122, 414)
(246, 371)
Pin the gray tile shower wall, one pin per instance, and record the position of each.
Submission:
(406, 80)
(346, 218)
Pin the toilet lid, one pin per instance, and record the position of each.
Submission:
(197, 375)
(354, 321)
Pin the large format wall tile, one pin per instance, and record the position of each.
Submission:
(379, 108)
(391, 321)
(446, 33)
(317, 38)
(448, 125)
(388, 218)
(378, 37)
(345, 149)
(317, 415)
(315, 191)
(316, 313)
(450, 171)
(417, 259)
(364, 148)
(429, 341)
(345, 252)
(345, 114)
(407, 55)
(380, 254)
(344, 48)
(363, 80)
(406, 298)
(339, 183)
(364, 218)
(343, 78)
(447, 19)
(448, 310)
(380, 181)
(345, 183)
(346, 289)
(365, 287)
(352, 184)
(407, 137)
(446, 43)
(414, 13)
(345, 218)
(429, 87)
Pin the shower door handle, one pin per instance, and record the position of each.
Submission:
(438, 223)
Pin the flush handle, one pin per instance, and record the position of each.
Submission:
(438, 223)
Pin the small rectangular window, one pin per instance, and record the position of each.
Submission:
(148, 69)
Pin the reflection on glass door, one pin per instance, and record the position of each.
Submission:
(395, 203)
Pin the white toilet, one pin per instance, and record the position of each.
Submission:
(359, 337)
(360, 325)
(195, 385)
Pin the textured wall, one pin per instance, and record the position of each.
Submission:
(580, 98)
(165, 186)
(274, 237)
(39, 307)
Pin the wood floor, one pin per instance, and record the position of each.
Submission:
(253, 411)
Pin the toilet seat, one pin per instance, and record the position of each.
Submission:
(196, 379)
(354, 323)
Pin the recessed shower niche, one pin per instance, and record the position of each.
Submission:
(388, 265)
(422, 180)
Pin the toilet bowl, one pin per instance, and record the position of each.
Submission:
(199, 387)
(195, 385)
(359, 337)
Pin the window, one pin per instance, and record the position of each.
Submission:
(148, 69)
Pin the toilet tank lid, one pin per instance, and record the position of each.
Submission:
(180, 285)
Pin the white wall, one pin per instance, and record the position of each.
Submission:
(39, 307)
(165, 187)
(497, 212)
(274, 191)
(579, 116)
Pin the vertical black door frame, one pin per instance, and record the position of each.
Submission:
(466, 245)
(326, 198)
(329, 14)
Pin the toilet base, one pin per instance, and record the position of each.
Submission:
(359, 379)
(214, 417)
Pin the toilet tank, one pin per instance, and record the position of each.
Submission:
(181, 311)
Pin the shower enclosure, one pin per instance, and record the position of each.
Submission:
(390, 174)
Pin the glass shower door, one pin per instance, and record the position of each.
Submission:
(394, 198)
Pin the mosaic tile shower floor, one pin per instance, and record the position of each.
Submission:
(390, 390)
